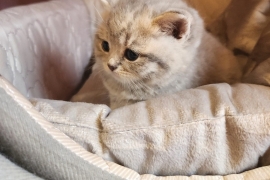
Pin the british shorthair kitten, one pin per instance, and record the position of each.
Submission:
(150, 48)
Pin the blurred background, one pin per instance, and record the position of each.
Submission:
(10, 3)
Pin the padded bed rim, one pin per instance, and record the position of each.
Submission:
(110, 168)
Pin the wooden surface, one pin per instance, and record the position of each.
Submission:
(209, 9)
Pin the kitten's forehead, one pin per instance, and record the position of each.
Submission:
(128, 22)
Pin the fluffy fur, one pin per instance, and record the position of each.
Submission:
(175, 52)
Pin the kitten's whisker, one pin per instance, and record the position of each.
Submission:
(94, 22)
(136, 85)
(98, 12)
(98, 72)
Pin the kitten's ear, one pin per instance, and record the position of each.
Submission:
(174, 24)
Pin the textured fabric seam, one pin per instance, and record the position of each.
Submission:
(178, 125)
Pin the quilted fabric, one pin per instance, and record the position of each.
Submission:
(10, 171)
(44, 48)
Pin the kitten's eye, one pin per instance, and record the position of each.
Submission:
(105, 46)
(131, 55)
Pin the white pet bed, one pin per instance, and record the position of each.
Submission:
(43, 51)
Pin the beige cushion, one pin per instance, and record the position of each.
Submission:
(214, 129)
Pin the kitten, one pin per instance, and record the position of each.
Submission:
(148, 48)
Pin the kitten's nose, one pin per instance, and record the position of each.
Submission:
(112, 67)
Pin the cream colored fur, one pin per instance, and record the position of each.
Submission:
(171, 64)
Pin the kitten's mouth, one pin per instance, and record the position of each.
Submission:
(121, 76)
(115, 74)
(118, 74)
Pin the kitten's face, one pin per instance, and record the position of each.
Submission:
(139, 45)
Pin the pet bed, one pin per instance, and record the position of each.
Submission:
(210, 130)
